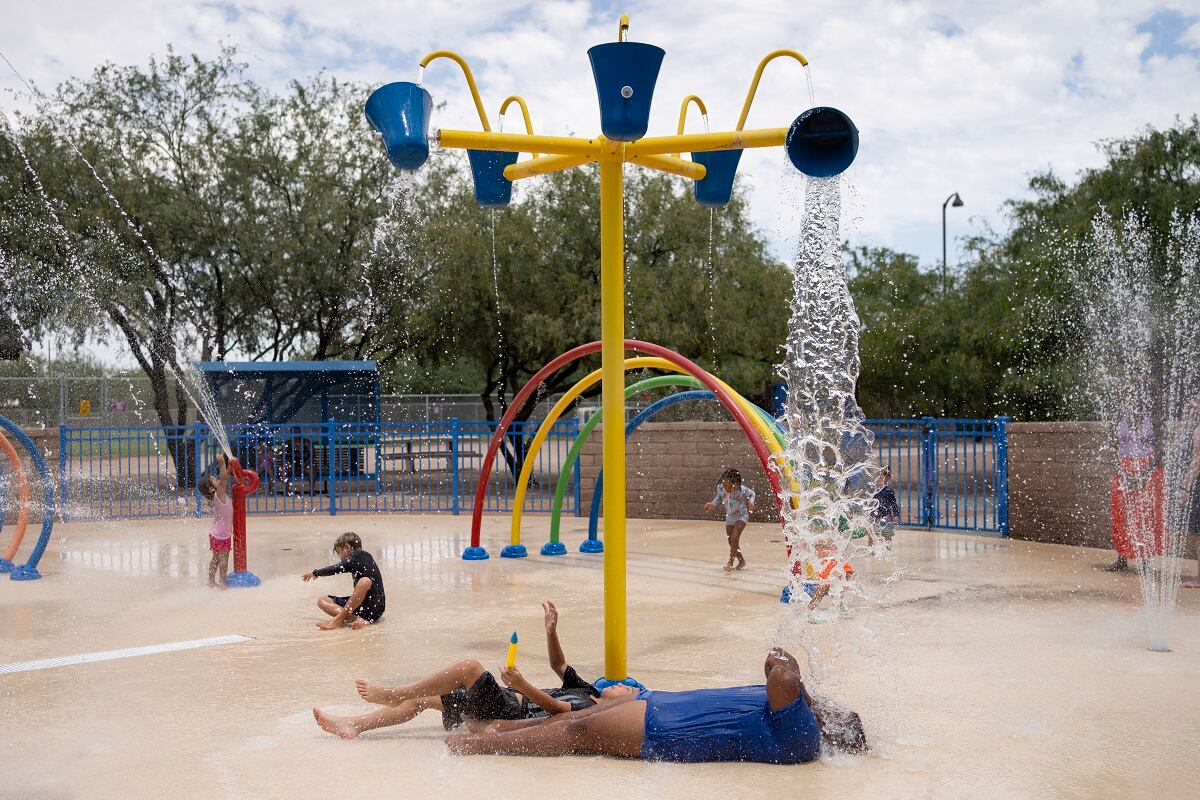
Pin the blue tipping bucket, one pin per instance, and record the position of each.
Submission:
(487, 168)
(822, 142)
(400, 112)
(716, 187)
(625, 74)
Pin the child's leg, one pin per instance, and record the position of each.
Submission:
(735, 541)
(382, 717)
(818, 595)
(328, 606)
(459, 674)
(212, 569)
(732, 548)
(224, 565)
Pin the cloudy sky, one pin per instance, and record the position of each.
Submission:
(949, 96)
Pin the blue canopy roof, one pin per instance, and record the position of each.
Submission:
(279, 392)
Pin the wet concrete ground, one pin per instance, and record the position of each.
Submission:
(984, 668)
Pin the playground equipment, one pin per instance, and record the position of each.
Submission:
(244, 482)
(511, 659)
(27, 571)
(820, 142)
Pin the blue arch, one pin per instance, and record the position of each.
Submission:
(593, 544)
(28, 570)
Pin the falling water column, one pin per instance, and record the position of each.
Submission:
(612, 354)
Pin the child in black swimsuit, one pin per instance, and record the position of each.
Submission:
(365, 604)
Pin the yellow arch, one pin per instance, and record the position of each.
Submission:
(641, 362)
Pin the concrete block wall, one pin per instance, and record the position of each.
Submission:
(1059, 479)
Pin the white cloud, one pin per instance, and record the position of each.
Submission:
(949, 96)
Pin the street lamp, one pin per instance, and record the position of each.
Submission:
(958, 203)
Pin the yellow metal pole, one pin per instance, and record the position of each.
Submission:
(768, 58)
(673, 165)
(543, 166)
(519, 142)
(703, 142)
(462, 62)
(612, 365)
(683, 109)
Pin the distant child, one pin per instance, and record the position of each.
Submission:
(819, 576)
(365, 603)
(220, 535)
(739, 505)
(887, 513)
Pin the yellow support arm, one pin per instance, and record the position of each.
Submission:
(683, 109)
(516, 98)
(521, 143)
(543, 166)
(769, 57)
(671, 164)
(701, 142)
(462, 62)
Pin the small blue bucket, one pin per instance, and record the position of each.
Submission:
(625, 74)
(822, 142)
(492, 189)
(400, 112)
(716, 187)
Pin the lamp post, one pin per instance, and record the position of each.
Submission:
(958, 203)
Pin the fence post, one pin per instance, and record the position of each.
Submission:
(454, 433)
(62, 473)
(928, 472)
(62, 399)
(578, 478)
(196, 440)
(331, 457)
(1001, 476)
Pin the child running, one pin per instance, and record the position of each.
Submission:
(220, 535)
(365, 604)
(739, 505)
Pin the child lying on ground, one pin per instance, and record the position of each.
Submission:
(465, 692)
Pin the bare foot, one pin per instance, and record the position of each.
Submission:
(728, 567)
(741, 564)
(1190, 583)
(373, 693)
(328, 626)
(358, 624)
(338, 726)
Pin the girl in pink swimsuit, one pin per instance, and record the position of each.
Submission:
(220, 535)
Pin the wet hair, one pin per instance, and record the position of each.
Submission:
(348, 539)
(732, 475)
(208, 487)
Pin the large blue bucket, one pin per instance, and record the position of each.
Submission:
(716, 187)
(400, 112)
(487, 168)
(625, 74)
(822, 142)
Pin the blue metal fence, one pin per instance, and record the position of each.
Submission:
(947, 473)
(322, 467)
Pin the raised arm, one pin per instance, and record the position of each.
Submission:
(223, 477)
(513, 679)
(554, 651)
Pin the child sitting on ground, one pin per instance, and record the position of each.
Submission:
(739, 505)
(220, 535)
(887, 513)
(365, 604)
(819, 577)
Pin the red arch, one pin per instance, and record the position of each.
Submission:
(588, 349)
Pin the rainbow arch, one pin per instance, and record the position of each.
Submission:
(759, 434)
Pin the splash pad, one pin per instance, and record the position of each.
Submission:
(821, 142)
